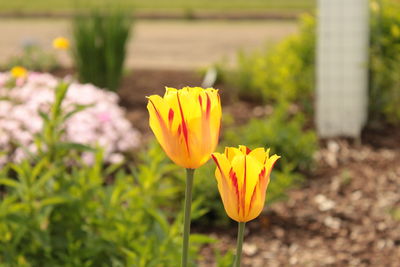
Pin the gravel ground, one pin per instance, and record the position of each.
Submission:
(348, 214)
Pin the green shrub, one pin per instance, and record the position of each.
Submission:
(287, 71)
(100, 40)
(57, 211)
(385, 62)
(284, 72)
(285, 134)
(33, 58)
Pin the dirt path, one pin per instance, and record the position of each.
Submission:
(158, 44)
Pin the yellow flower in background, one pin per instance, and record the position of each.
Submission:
(61, 43)
(186, 123)
(374, 6)
(395, 30)
(243, 176)
(19, 72)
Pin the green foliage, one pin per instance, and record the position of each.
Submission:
(100, 40)
(385, 61)
(57, 211)
(286, 136)
(287, 71)
(284, 72)
(282, 132)
(33, 58)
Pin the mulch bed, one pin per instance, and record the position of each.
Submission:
(345, 215)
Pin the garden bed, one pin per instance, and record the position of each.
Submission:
(347, 212)
(344, 214)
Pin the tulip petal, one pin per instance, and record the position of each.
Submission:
(227, 185)
(258, 154)
(232, 152)
(158, 111)
(245, 150)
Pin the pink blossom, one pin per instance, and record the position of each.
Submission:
(102, 123)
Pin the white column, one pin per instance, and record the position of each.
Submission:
(342, 67)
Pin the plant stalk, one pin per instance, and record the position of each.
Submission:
(186, 222)
(239, 244)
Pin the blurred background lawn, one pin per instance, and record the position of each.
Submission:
(160, 5)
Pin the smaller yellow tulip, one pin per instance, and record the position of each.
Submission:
(61, 43)
(243, 176)
(19, 72)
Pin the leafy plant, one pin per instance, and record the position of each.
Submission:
(34, 58)
(281, 73)
(56, 210)
(284, 133)
(100, 40)
(385, 61)
(287, 71)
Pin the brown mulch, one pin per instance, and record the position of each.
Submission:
(346, 215)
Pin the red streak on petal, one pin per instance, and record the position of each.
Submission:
(253, 198)
(261, 176)
(232, 176)
(200, 101)
(179, 129)
(217, 163)
(272, 166)
(162, 122)
(243, 202)
(184, 126)
(248, 150)
(208, 108)
(170, 117)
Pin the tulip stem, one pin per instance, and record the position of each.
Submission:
(239, 244)
(186, 223)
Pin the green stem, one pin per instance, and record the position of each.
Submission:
(186, 223)
(239, 244)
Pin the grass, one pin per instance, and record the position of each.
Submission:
(156, 5)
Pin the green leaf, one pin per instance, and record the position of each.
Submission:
(9, 182)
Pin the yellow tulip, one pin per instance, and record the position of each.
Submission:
(243, 176)
(61, 43)
(186, 123)
(19, 72)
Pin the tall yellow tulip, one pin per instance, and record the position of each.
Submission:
(186, 123)
(243, 177)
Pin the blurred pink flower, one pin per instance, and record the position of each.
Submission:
(104, 117)
(103, 123)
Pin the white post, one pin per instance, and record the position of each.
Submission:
(342, 67)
